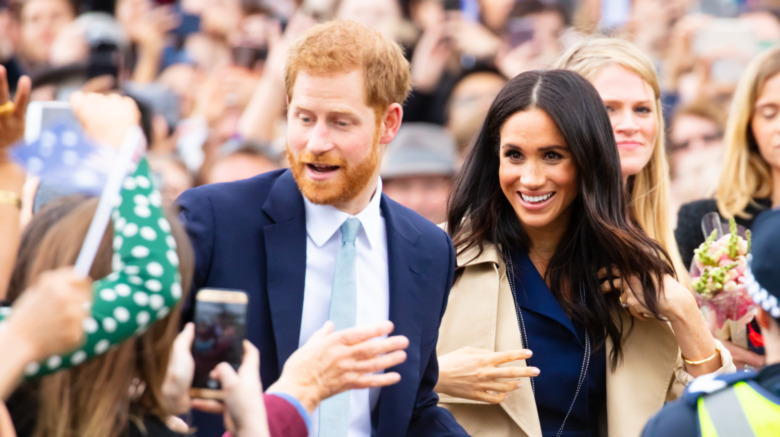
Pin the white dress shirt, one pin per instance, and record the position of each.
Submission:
(373, 289)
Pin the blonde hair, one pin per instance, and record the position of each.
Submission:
(745, 174)
(650, 197)
(341, 46)
(94, 398)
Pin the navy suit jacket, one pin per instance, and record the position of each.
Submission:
(251, 235)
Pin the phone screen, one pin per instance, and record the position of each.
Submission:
(519, 31)
(44, 114)
(220, 328)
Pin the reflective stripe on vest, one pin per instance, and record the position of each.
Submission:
(739, 410)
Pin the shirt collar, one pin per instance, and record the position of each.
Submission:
(322, 221)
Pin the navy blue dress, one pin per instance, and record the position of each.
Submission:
(558, 346)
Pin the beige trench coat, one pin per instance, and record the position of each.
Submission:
(481, 314)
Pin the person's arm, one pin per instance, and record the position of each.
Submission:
(327, 364)
(12, 176)
(332, 362)
(700, 353)
(46, 319)
(145, 282)
(267, 104)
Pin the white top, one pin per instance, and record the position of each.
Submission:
(373, 289)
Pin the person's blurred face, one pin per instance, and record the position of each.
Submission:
(631, 107)
(548, 27)
(469, 104)
(691, 134)
(41, 22)
(536, 171)
(381, 15)
(765, 122)
(424, 194)
(494, 13)
(333, 139)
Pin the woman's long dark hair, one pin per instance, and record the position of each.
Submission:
(600, 233)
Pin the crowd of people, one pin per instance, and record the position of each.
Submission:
(303, 152)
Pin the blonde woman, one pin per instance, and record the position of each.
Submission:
(626, 80)
(750, 180)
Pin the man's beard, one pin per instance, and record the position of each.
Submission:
(345, 187)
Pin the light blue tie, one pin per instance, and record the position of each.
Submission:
(334, 411)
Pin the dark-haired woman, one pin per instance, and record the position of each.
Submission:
(537, 214)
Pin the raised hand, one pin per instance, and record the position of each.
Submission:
(12, 113)
(105, 118)
(333, 362)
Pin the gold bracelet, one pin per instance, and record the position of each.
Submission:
(10, 198)
(709, 358)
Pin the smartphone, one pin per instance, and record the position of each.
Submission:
(247, 56)
(46, 114)
(730, 34)
(452, 5)
(220, 328)
(520, 31)
(104, 60)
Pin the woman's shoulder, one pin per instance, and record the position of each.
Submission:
(486, 252)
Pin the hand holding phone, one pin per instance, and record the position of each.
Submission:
(220, 328)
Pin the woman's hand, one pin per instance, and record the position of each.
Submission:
(12, 113)
(49, 316)
(743, 357)
(677, 306)
(676, 301)
(181, 369)
(472, 373)
(244, 406)
(105, 118)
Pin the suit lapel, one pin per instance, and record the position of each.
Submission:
(285, 254)
(406, 261)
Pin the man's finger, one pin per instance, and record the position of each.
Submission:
(381, 362)
(509, 356)
(371, 348)
(326, 329)
(359, 334)
(381, 380)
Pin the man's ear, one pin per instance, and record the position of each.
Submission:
(391, 122)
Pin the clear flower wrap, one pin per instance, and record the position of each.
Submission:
(718, 272)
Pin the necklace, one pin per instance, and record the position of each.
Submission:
(510, 273)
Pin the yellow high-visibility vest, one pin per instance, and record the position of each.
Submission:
(740, 410)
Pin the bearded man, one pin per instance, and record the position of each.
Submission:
(320, 242)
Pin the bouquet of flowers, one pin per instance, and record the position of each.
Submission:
(718, 275)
